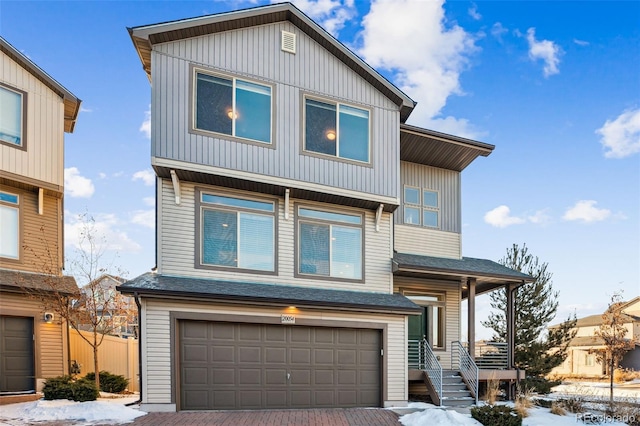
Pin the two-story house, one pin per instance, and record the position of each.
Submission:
(308, 240)
(36, 112)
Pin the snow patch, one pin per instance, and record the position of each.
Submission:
(63, 410)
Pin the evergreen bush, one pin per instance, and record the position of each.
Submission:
(65, 387)
(112, 383)
(496, 415)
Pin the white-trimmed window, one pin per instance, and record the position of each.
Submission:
(330, 244)
(9, 225)
(336, 129)
(232, 106)
(12, 105)
(421, 207)
(237, 232)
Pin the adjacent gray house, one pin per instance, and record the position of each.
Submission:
(308, 239)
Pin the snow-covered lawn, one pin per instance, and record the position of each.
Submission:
(108, 409)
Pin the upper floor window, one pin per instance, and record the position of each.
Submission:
(336, 129)
(330, 244)
(9, 226)
(237, 232)
(12, 105)
(233, 107)
(421, 207)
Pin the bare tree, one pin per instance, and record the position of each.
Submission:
(612, 332)
(96, 309)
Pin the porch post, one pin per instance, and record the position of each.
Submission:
(471, 316)
(511, 325)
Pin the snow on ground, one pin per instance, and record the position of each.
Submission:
(106, 409)
(537, 417)
(598, 389)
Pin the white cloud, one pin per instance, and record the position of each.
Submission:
(83, 109)
(330, 14)
(500, 217)
(105, 230)
(145, 218)
(497, 30)
(580, 42)
(145, 127)
(149, 201)
(473, 12)
(77, 186)
(546, 50)
(541, 217)
(621, 137)
(426, 53)
(147, 176)
(586, 211)
(102, 175)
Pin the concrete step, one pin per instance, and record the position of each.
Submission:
(454, 386)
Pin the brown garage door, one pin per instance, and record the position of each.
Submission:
(252, 366)
(16, 355)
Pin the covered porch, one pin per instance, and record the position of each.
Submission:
(451, 366)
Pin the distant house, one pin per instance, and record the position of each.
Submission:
(581, 359)
(35, 112)
(309, 241)
(117, 312)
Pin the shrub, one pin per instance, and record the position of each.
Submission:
(496, 415)
(538, 384)
(558, 409)
(492, 391)
(112, 383)
(65, 387)
(573, 404)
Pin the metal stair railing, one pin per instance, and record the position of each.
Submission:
(462, 361)
(421, 357)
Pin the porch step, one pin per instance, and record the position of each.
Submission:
(454, 390)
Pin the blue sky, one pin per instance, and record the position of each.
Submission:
(555, 86)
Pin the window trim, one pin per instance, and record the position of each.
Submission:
(303, 127)
(296, 238)
(441, 303)
(200, 205)
(23, 118)
(18, 207)
(421, 206)
(193, 72)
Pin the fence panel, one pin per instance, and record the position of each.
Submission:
(115, 355)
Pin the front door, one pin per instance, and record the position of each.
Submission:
(16, 355)
(418, 325)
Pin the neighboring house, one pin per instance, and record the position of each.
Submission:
(308, 240)
(581, 358)
(117, 312)
(36, 112)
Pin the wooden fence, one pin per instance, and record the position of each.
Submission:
(115, 355)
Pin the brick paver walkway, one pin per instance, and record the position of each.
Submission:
(312, 417)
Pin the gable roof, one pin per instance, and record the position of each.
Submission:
(144, 37)
(154, 285)
(71, 102)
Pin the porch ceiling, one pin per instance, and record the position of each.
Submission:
(489, 275)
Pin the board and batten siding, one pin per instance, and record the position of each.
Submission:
(44, 156)
(35, 229)
(177, 239)
(254, 53)
(157, 349)
(453, 297)
(446, 182)
(50, 339)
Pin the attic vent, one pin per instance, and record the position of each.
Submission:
(288, 42)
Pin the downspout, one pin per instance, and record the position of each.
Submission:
(135, 297)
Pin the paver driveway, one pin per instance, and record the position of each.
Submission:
(311, 417)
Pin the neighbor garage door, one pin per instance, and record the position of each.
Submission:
(16, 355)
(251, 366)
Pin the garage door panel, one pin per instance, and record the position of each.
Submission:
(254, 366)
(196, 330)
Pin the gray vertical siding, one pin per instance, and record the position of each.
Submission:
(446, 182)
(254, 53)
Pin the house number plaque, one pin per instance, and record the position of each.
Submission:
(287, 319)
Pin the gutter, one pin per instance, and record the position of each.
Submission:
(136, 298)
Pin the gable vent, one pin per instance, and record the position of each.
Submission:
(288, 42)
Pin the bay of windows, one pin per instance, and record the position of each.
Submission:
(421, 207)
(233, 107)
(237, 232)
(336, 129)
(12, 116)
(330, 244)
(9, 226)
